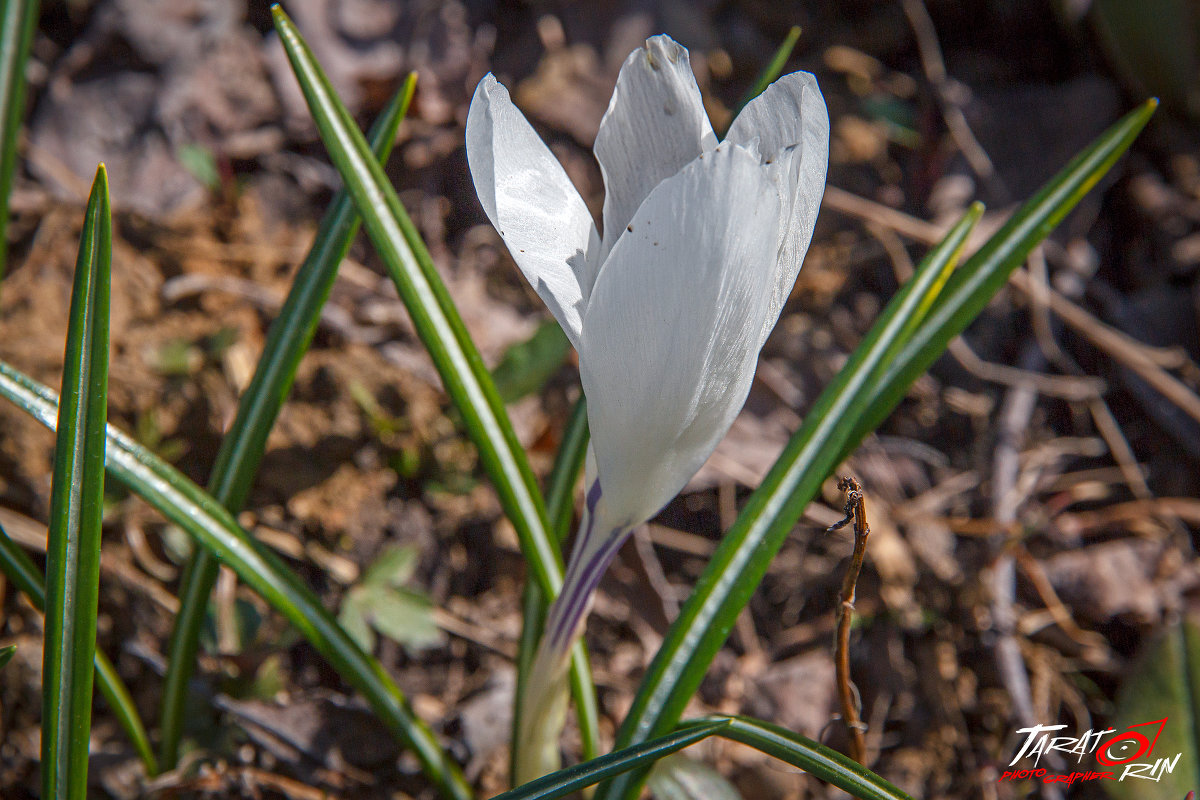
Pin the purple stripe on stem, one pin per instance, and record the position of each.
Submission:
(592, 497)
(581, 586)
(571, 579)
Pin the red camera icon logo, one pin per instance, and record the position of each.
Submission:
(1129, 745)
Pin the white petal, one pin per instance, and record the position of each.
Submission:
(655, 125)
(531, 201)
(791, 125)
(671, 335)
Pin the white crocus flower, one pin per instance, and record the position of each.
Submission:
(670, 307)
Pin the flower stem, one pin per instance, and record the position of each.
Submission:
(544, 704)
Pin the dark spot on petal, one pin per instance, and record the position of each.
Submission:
(522, 251)
(629, 228)
(656, 244)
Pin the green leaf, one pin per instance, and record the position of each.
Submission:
(580, 776)
(393, 567)
(571, 457)
(18, 21)
(353, 619)
(812, 757)
(436, 321)
(214, 528)
(402, 615)
(678, 777)
(1162, 683)
(526, 366)
(855, 403)
(199, 161)
(380, 601)
(973, 285)
(434, 316)
(564, 475)
(25, 575)
(6, 654)
(76, 511)
(772, 70)
(243, 446)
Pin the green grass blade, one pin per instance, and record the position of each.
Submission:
(25, 575)
(212, 526)
(812, 757)
(982, 275)
(6, 654)
(243, 446)
(560, 495)
(433, 313)
(121, 703)
(559, 505)
(437, 323)
(845, 412)
(580, 776)
(771, 71)
(292, 331)
(195, 586)
(76, 511)
(18, 21)
(564, 475)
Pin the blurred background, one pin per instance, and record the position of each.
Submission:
(1033, 502)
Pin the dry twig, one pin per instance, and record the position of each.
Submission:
(949, 97)
(856, 512)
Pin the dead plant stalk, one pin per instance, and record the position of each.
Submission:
(856, 513)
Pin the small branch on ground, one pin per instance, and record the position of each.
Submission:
(856, 512)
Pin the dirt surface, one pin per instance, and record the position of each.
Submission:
(1032, 501)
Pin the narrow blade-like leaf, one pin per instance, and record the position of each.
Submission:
(212, 526)
(564, 475)
(982, 275)
(861, 392)
(18, 21)
(436, 320)
(560, 502)
(580, 776)
(20, 569)
(812, 757)
(6, 654)
(76, 509)
(433, 312)
(560, 496)
(772, 70)
(243, 446)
